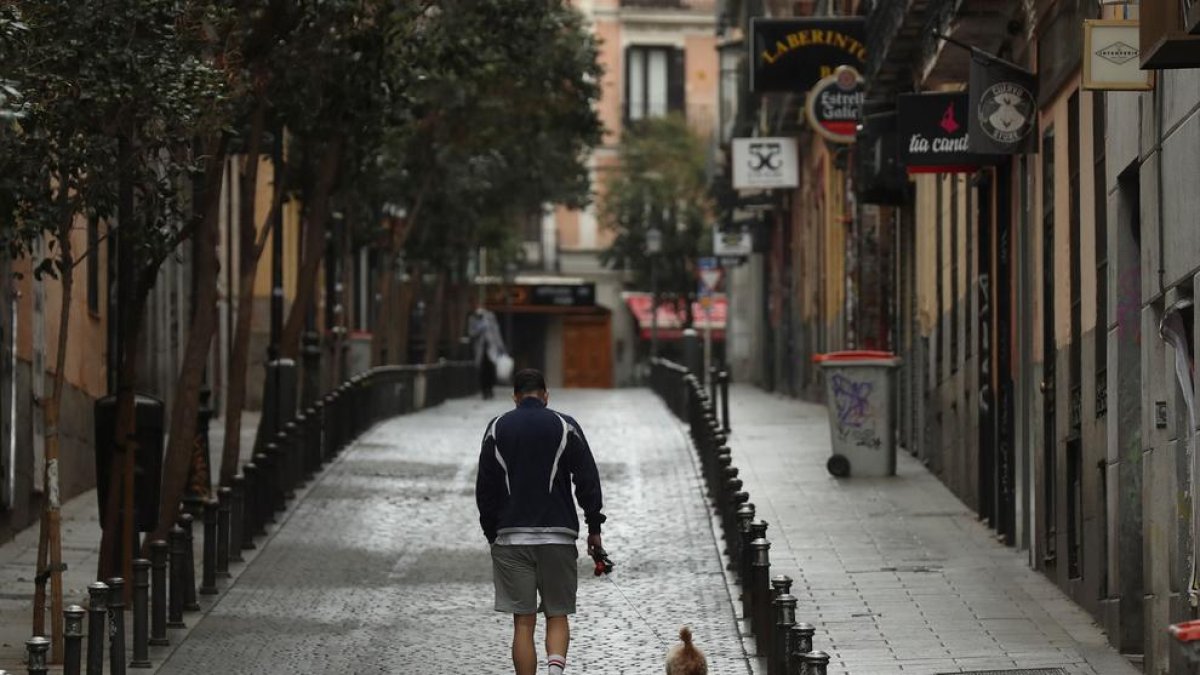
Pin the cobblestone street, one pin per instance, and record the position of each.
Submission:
(381, 568)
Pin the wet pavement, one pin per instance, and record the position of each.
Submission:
(381, 566)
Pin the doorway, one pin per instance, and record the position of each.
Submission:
(587, 352)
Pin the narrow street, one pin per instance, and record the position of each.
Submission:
(381, 567)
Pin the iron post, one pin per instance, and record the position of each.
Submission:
(73, 635)
(158, 593)
(116, 626)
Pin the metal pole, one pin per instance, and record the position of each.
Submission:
(724, 379)
(208, 583)
(801, 644)
(224, 530)
(158, 593)
(141, 609)
(116, 626)
(814, 663)
(37, 648)
(73, 632)
(190, 604)
(653, 309)
(97, 619)
(178, 556)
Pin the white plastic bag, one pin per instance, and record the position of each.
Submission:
(504, 369)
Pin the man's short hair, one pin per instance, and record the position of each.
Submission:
(528, 381)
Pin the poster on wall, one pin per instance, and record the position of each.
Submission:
(792, 55)
(765, 163)
(1003, 110)
(933, 133)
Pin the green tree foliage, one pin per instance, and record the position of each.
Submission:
(659, 183)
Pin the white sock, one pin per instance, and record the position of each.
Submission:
(556, 664)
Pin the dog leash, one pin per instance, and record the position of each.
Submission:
(604, 568)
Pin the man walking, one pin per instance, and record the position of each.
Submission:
(529, 459)
(484, 331)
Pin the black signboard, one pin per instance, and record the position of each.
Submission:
(879, 178)
(1002, 105)
(933, 133)
(794, 54)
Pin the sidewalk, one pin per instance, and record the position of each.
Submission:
(81, 551)
(897, 575)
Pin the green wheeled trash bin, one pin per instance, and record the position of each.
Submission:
(858, 389)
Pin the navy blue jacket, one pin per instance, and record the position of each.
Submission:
(529, 458)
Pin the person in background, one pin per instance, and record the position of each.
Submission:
(484, 331)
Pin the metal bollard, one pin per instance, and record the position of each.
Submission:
(208, 575)
(97, 628)
(729, 506)
(293, 450)
(761, 592)
(299, 435)
(141, 618)
(785, 618)
(801, 644)
(724, 459)
(116, 626)
(814, 663)
(224, 538)
(158, 593)
(745, 516)
(237, 519)
(73, 639)
(712, 384)
(37, 647)
(178, 557)
(724, 380)
(190, 603)
(267, 481)
(250, 525)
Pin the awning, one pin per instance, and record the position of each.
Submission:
(671, 321)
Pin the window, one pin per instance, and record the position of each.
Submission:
(954, 256)
(1100, 180)
(653, 82)
(1076, 352)
(93, 267)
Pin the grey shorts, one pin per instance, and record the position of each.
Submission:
(522, 573)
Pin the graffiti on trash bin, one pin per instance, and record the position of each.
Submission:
(853, 403)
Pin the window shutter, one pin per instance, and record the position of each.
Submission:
(676, 82)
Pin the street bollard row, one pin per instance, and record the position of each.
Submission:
(164, 586)
(768, 605)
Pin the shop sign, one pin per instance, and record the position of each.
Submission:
(834, 108)
(543, 295)
(933, 133)
(1111, 51)
(733, 242)
(1003, 110)
(792, 55)
(764, 163)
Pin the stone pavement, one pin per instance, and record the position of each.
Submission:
(897, 575)
(381, 567)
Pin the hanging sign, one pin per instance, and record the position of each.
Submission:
(794, 54)
(834, 107)
(1111, 52)
(737, 242)
(1002, 106)
(933, 133)
(764, 163)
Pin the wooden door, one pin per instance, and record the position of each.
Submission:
(587, 352)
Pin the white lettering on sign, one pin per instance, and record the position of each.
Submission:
(918, 144)
(839, 105)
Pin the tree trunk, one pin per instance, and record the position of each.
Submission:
(314, 249)
(250, 252)
(52, 413)
(434, 319)
(186, 402)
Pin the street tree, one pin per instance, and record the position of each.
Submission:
(113, 95)
(659, 183)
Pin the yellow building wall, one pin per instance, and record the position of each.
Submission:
(87, 334)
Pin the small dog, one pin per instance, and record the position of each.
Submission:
(685, 659)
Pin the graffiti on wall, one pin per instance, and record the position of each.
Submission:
(852, 399)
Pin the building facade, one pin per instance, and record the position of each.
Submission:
(1041, 299)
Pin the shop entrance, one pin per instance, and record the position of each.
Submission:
(587, 352)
